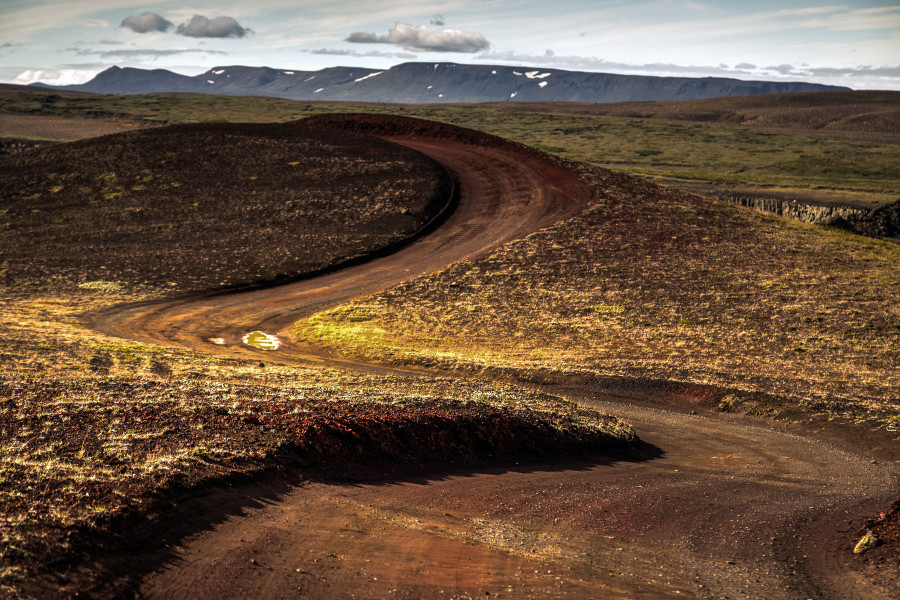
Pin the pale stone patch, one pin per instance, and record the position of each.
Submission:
(263, 341)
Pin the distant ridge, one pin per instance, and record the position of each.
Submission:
(427, 83)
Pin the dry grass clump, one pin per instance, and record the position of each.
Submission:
(651, 283)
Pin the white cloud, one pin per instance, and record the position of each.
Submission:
(54, 76)
(814, 10)
(784, 69)
(219, 27)
(146, 23)
(859, 77)
(865, 19)
(425, 39)
(885, 72)
(24, 18)
(369, 54)
(148, 52)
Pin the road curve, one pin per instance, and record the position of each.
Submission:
(731, 509)
(501, 198)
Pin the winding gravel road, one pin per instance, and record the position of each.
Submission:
(501, 198)
(729, 507)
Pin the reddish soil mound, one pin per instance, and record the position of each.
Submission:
(887, 528)
(882, 562)
(888, 524)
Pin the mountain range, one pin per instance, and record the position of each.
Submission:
(426, 83)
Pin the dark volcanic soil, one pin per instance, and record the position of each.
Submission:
(198, 207)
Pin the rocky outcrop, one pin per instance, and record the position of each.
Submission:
(881, 222)
(11, 145)
(799, 211)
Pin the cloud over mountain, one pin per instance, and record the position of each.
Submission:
(369, 54)
(148, 52)
(146, 23)
(425, 39)
(219, 27)
(198, 26)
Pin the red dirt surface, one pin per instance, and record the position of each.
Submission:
(116, 438)
(885, 556)
(729, 510)
(887, 525)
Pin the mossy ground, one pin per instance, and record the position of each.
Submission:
(815, 146)
(651, 283)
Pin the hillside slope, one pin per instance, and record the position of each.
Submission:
(195, 207)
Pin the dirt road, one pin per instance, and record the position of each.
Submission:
(501, 198)
(731, 510)
(727, 508)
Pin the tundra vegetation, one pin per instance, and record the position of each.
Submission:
(825, 148)
(648, 284)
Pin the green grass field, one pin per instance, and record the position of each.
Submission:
(864, 173)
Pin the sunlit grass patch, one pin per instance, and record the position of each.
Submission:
(605, 309)
(100, 286)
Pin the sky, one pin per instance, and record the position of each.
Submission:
(856, 44)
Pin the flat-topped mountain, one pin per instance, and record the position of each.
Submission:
(421, 83)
